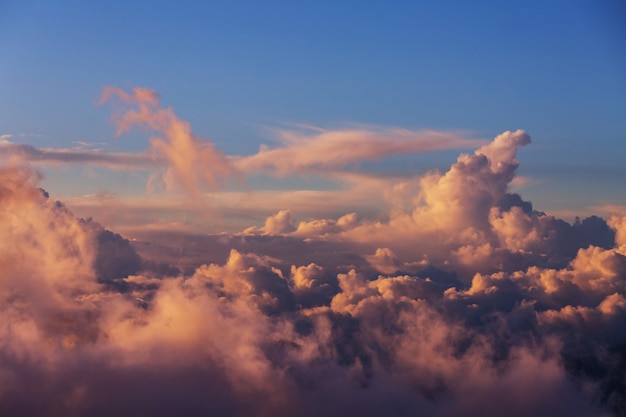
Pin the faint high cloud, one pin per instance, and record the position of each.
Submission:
(7, 136)
(316, 150)
(192, 164)
(111, 160)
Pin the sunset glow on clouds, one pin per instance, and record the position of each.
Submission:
(327, 150)
(345, 257)
(462, 303)
(189, 162)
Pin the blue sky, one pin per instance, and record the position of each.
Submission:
(234, 69)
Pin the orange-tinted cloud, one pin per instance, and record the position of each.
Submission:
(296, 320)
(322, 150)
(192, 164)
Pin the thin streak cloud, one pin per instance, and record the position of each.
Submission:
(111, 160)
(316, 149)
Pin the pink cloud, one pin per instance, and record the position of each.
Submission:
(489, 316)
(192, 164)
(256, 335)
(317, 150)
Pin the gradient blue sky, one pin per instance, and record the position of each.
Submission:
(556, 69)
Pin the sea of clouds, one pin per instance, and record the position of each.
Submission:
(463, 301)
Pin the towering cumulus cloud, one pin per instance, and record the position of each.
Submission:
(465, 302)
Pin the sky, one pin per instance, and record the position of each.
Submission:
(332, 208)
(239, 71)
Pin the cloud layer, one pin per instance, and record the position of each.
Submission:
(467, 301)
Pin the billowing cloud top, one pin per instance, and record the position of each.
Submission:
(465, 301)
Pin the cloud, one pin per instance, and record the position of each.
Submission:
(112, 160)
(327, 227)
(318, 150)
(6, 136)
(618, 222)
(312, 285)
(192, 164)
(466, 216)
(278, 223)
(485, 306)
(462, 197)
(44, 247)
(384, 260)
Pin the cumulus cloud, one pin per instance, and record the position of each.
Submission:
(466, 302)
(58, 251)
(384, 260)
(461, 198)
(618, 223)
(458, 202)
(326, 227)
(278, 223)
(467, 216)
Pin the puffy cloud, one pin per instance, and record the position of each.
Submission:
(600, 324)
(486, 307)
(281, 222)
(278, 223)
(44, 248)
(452, 365)
(312, 285)
(458, 201)
(326, 227)
(467, 218)
(384, 260)
(463, 196)
(249, 276)
(308, 277)
(516, 230)
(619, 224)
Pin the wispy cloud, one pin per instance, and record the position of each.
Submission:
(314, 149)
(8, 136)
(191, 163)
(112, 160)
